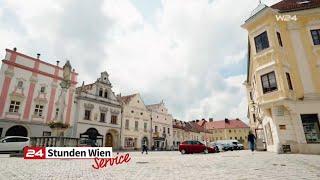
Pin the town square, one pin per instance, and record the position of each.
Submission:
(139, 89)
(172, 165)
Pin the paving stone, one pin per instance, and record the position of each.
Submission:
(171, 165)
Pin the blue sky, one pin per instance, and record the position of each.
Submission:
(189, 53)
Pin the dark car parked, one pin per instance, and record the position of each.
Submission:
(194, 147)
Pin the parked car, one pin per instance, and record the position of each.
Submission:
(228, 147)
(240, 146)
(220, 147)
(194, 147)
(14, 143)
(217, 146)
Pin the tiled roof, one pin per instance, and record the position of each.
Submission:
(295, 5)
(127, 99)
(223, 124)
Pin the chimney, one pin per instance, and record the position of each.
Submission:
(210, 119)
(38, 55)
(14, 49)
(58, 63)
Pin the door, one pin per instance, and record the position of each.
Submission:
(109, 140)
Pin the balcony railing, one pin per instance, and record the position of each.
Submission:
(52, 141)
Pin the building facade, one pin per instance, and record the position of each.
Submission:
(98, 114)
(283, 77)
(136, 123)
(161, 126)
(227, 129)
(31, 95)
(183, 131)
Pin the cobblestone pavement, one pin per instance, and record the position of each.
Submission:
(171, 165)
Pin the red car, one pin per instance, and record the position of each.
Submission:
(194, 147)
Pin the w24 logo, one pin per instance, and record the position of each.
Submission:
(34, 153)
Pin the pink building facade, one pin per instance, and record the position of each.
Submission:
(30, 89)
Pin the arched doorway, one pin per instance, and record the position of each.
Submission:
(91, 137)
(144, 141)
(109, 140)
(17, 131)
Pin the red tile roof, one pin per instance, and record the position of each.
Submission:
(127, 99)
(295, 5)
(223, 124)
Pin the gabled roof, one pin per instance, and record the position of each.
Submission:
(223, 124)
(127, 99)
(295, 5)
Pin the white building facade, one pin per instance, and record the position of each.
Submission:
(98, 114)
(162, 135)
(136, 123)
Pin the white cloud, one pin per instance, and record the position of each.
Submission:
(177, 58)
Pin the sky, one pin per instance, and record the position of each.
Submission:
(189, 53)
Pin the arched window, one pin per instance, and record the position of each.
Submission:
(106, 94)
(100, 92)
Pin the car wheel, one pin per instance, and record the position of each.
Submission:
(206, 151)
(183, 151)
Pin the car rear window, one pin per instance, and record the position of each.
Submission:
(16, 139)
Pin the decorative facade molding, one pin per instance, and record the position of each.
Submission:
(88, 106)
(9, 73)
(103, 109)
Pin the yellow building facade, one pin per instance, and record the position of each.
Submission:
(283, 78)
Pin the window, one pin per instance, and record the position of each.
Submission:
(1, 129)
(102, 117)
(155, 128)
(127, 124)
(310, 123)
(46, 133)
(20, 84)
(87, 114)
(164, 130)
(141, 114)
(235, 137)
(269, 82)
(261, 41)
(282, 127)
(106, 94)
(251, 96)
(43, 89)
(145, 126)
(132, 111)
(14, 106)
(230, 131)
(136, 125)
(114, 119)
(289, 81)
(279, 39)
(128, 142)
(57, 112)
(315, 36)
(38, 110)
(100, 92)
(168, 130)
(254, 117)
(230, 137)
